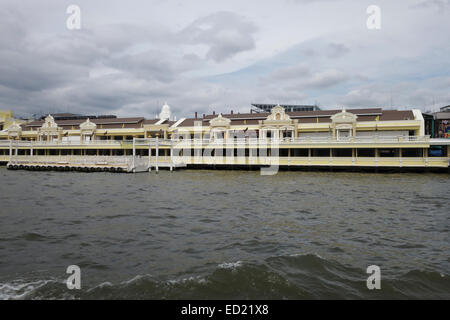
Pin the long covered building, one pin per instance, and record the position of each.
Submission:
(319, 138)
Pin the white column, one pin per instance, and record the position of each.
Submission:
(17, 150)
(171, 155)
(149, 156)
(10, 150)
(157, 154)
(134, 154)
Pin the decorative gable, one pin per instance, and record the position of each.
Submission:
(278, 114)
(88, 125)
(220, 121)
(344, 117)
(49, 123)
(14, 130)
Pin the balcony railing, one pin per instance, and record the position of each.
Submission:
(235, 141)
(310, 140)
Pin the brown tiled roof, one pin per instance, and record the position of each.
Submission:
(389, 115)
(320, 116)
(152, 121)
(189, 122)
(298, 114)
(106, 123)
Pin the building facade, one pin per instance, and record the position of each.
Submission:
(336, 138)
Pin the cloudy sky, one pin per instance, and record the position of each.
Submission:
(129, 57)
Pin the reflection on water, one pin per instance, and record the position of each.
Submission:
(224, 234)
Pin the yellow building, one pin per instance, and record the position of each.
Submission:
(373, 138)
(6, 118)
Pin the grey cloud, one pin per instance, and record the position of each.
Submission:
(225, 33)
(311, 1)
(403, 94)
(127, 68)
(292, 72)
(337, 50)
(438, 4)
(12, 33)
(301, 77)
(365, 96)
(64, 71)
(53, 72)
(327, 78)
(154, 64)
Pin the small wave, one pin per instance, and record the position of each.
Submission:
(230, 265)
(305, 255)
(197, 279)
(101, 286)
(296, 276)
(32, 236)
(136, 278)
(20, 289)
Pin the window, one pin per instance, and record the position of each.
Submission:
(91, 152)
(342, 152)
(388, 152)
(412, 152)
(219, 135)
(320, 152)
(437, 151)
(365, 153)
(299, 152)
(287, 133)
(343, 133)
(284, 152)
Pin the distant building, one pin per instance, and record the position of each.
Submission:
(437, 124)
(262, 107)
(442, 122)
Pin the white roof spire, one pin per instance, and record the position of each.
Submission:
(165, 113)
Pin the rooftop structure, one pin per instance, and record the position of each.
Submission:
(262, 107)
(165, 113)
(72, 116)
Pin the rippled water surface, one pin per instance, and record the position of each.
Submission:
(224, 234)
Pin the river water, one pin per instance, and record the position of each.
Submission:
(204, 234)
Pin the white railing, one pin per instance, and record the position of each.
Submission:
(307, 140)
(115, 160)
(236, 141)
